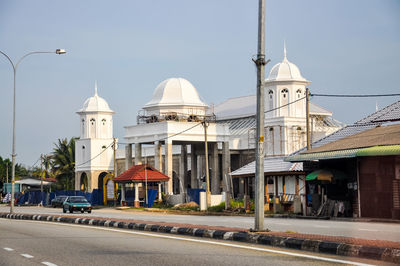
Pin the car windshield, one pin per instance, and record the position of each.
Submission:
(78, 200)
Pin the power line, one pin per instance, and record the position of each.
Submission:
(96, 155)
(285, 105)
(355, 95)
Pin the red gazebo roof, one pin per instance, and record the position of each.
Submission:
(138, 173)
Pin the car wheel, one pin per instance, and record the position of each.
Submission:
(89, 211)
(64, 210)
(71, 210)
(82, 211)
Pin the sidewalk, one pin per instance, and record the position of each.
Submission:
(343, 246)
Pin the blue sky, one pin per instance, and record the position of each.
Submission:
(343, 47)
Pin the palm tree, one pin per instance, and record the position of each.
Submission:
(64, 162)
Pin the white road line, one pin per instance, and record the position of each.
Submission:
(210, 242)
(321, 226)
(27, 256)
(8, 249)
(48, 263)
(369, 230)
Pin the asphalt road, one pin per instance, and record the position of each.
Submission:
(366, 230)
(44, 243)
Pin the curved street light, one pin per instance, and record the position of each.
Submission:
(13, 155)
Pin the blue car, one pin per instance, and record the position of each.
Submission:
(76, 203)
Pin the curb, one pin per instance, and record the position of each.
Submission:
(326, 247)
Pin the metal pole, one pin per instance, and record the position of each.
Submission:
(308, 119)
(259, 177)
(115, 172)
(41, 172)
(13, 155)
(7, 172)
(208, 193)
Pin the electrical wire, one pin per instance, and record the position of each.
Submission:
(355, 95)
(96, 155)
(285, 105)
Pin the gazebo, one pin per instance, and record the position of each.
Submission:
(137, 174)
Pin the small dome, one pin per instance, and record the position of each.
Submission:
(173, 92)
(95, 104)
(285, 71)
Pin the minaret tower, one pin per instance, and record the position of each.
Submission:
(93, 150)
(285, 95)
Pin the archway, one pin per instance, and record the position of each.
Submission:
(84, 182)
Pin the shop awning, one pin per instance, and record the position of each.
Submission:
(325, 175)
(380, 151)
(350, 153)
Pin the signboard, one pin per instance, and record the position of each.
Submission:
(7, 187)
(110, 190)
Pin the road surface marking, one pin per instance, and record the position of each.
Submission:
(8, 249)
(370, 230)
(27, 256)
(288, 253)
(48, 263)
(321, 226)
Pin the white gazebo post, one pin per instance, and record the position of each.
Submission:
(136, 202)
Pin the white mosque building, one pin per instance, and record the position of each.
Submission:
(93, 152)
(170, 132)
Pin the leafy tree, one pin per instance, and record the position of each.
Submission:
(64, 162)
(6, 163)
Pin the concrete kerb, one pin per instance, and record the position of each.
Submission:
(335, 248)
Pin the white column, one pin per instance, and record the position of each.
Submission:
(215, 183)
(183, 169)
(159, 192)
(168, 165)
(136, 203)
(226, 166)
(193, 161)
(138, 153)
(157, 156)
(128, 156)
(122, 192)
(78, 181)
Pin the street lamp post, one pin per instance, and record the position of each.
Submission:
(13, 155)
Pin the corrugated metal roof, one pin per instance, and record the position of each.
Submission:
(245, 106)
(271, 165)
(323, 155)
(378, 136)
(389, 113)
(240, 126)
(380, 151)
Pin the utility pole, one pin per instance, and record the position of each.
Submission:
(260, 63)
(208, 193)
(41, 173)
(115, 171)
(308, 119)
(7, 171)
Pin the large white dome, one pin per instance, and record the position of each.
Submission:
(95, 104)
(175, 92)
(285, 71)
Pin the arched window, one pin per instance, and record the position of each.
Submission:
(285, 93)
(92, 132)
(284, 111)
(298, 93)
(83, 127)
(103, 121)
(271, 99)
